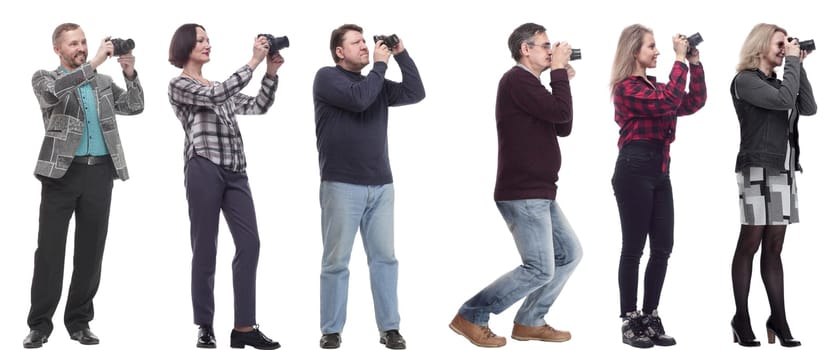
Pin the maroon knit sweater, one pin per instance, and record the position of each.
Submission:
(529, 119)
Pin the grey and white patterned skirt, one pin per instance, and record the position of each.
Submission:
(768, 197)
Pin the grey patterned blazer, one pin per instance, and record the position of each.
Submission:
(61, 107)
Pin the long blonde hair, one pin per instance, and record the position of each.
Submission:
(756, 45)
(629, 44)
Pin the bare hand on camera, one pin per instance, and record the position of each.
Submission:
(792, 48)
(570, 71)
(694, 58)
(260, 50)
(273, 64)
(560, 55)
(398, 48)
(126, 61)
(106, 49)
(680, 46)
(381, 53)
(803, 54)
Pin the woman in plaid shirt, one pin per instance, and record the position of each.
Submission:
(646, 112)
(215, 176)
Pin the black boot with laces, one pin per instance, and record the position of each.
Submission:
(633, 331)
(655, 331)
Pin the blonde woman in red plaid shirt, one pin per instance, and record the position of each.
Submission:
(646, 112)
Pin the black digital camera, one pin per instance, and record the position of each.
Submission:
(575, 55)
(122, 47)
(805, 45)
(693, 40)
(390, 41)
(275, 44)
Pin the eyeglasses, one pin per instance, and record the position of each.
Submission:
(546, 46)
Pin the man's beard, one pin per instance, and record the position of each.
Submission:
(71, 61)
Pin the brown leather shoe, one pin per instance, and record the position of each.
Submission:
(478, 335)
(544, 333)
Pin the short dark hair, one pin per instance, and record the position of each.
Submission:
(337, 37)
(182, 44)
(64, 27)
(522, 34)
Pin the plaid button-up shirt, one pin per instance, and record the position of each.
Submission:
(208, 115)
(649, 111)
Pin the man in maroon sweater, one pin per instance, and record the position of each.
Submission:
(529, 119)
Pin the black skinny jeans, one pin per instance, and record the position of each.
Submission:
(646, 208)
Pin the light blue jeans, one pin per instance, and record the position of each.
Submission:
(346, 209)
(550, 251)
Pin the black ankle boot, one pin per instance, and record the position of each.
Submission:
(744, 336)
(254, 338)
(633, 331)
(785, 339)
(655, 331)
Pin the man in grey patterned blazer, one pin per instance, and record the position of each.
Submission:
(80, 157)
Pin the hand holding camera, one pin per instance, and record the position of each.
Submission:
(560, 55)
(681, 46)
(805, 46)
(390, 41)
(792, 47)
(122, 49)
(381, 51)
(275, 44)
(106, 49)
(693, 40)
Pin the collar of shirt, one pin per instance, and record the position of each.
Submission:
(520, 65)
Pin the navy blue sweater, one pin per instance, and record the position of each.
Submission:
(351, 119)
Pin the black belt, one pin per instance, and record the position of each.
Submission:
(91, 160)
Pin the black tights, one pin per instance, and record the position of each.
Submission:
(770, 238)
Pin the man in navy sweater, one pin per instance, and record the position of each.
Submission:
(357, 193)
(529, 119)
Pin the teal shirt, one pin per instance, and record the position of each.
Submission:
(92, 142)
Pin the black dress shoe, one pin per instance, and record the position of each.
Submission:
(85, 336)
(392, 340)
(35, 339)
(330, 341)
(206, 338)
(254, 338)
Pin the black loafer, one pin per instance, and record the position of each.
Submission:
(35, 339)
(85, 336)
(330, 341)
(392, 340)
(254, 338)
(206, 338)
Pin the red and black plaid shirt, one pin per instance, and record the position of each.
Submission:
(649, 112)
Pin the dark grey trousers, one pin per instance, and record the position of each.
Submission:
(211, 189)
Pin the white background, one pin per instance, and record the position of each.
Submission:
(451, 240)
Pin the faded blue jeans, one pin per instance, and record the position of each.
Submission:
(550, 251)
(346, 209)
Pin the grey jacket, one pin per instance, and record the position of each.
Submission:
(63, 113)
(768, 113)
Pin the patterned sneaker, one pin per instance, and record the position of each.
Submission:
(633, 331)
(654, 330)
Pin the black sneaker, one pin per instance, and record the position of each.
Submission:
(254, 338)
(655, 331)
(330, 341)
(633, 331)
(392, 339)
